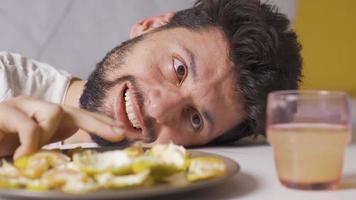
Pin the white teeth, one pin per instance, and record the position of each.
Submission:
(130, 111)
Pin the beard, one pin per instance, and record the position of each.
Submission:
(98, 85)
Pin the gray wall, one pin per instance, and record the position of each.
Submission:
(75, 34)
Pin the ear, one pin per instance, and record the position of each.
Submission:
(149, 24)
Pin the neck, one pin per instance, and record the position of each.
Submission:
(74, 92)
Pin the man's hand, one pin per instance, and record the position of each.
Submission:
(26, 124)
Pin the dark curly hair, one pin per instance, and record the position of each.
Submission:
(262, 46)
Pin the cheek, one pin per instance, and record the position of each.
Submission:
(143, 65)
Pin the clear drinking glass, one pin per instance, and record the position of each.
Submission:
(309, 131)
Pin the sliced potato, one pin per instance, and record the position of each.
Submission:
(6, 182)
(10, 176)
(68, 180)
(80, 187)
(22, 162)
(109, 180)
(54, 158)
(157, 167)
(201, 168)
(162, 160)
(170, 154)
(57, 177)
(37, 185)
(134, 151)
(117, 162)
(35, 165)
(8, 170)
(10, 182)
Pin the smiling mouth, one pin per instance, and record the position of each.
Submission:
(129, 108)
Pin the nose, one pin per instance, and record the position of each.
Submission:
(164, 104)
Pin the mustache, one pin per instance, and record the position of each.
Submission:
(148, 121)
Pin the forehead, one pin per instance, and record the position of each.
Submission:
(214, 87)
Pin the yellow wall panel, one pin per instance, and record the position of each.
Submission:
(327, 31)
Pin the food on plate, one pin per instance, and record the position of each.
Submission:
(35, 165)
(204, 168)
(108, 180)
(81, 171)
(92, 162)
(162, 160)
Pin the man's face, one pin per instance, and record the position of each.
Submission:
(173, 85)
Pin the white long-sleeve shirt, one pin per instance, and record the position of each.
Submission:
(23, 76)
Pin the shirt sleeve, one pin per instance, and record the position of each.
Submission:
(23, 76)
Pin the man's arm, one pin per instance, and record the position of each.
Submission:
(38, 118)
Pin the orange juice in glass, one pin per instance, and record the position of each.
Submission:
(308, 131)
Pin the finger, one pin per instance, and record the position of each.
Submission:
(72, 118)
(1, 135)
(100, 125)
(102, 118)
(16, 122)
(47, 115)
(8, 144)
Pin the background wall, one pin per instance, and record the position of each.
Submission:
(75, 34)
(327, 30)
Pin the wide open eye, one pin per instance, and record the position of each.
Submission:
(180, 69)
(196, 120)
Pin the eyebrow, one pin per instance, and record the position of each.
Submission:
(192, 64)
(210, 120)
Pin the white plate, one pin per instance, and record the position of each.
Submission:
(155, 191)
